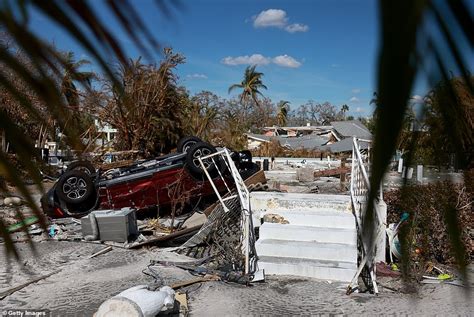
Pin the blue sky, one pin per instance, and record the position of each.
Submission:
(307, 49)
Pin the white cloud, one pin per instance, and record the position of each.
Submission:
(196, 76)
(259, 59)
(255, 59)
(355, 90)
(354, 99)
(277, 18)
(286, 61)
(270, 17)
(296, 27)
(359, 110)
(335, 65)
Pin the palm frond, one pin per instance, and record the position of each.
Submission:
(234, 86)
(401, 58)
(43, 66)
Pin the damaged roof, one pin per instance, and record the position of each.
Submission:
(310, 142)
(351, 128)
(345, 145)
(307, 142)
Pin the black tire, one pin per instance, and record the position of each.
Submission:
(197, 150)
(245, 159)
(246, 156)
(74, 187)
(251, 169)
(186, 143)
(84, 166)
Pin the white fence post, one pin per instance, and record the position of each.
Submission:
(381, 209)
(400, 165)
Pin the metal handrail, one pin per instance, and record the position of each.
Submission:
(360, 162)
(359, 190)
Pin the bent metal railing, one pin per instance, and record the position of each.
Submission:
(247, 237)
(359, 190)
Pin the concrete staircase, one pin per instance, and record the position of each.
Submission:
(319, 240)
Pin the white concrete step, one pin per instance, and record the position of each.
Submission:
(311, 250)
(321, 218)
(278, 231)
(327, 270)
(273, 201)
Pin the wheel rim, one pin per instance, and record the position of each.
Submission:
(206, 162)
(188, 145)
(82, 169)
(75, 188)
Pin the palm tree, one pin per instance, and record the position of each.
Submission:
(71, 76)
(344, 109)
(283, 109)
(250, 85)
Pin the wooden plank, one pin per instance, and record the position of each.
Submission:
(103, 251)
(206, 278)
(258, 177)
(21, 286)
(332, 172)
(165, 238)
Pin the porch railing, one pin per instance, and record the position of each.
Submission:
(359, 191)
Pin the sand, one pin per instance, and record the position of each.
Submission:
(82, 284)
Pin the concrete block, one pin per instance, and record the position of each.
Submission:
(274, 218)
(305, 174)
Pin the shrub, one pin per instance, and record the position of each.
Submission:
(427, 206)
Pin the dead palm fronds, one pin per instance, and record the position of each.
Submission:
(44, 65)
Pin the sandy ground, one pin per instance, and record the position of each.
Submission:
(82, 284)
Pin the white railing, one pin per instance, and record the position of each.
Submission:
(359, 190)
(247, 239)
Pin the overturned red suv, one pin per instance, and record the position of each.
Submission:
(155, 184)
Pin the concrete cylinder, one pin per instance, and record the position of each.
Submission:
(419, 173)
